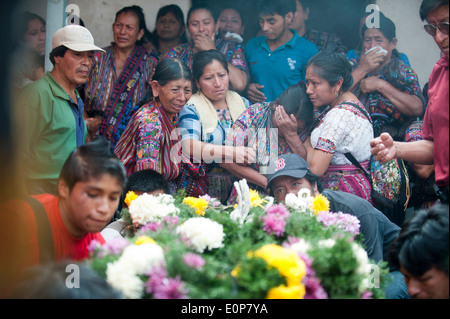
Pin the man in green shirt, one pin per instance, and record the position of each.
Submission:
(51, 110)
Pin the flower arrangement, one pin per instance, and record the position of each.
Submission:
(184, 247)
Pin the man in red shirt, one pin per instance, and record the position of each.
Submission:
(61, 227)
(435, 145)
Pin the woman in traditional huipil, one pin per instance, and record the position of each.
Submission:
(120, 76)
(150, 139)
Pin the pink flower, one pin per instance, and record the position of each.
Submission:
(279, 210)
(155, 278)
(273, 224)
(171, 288)
(194, 261)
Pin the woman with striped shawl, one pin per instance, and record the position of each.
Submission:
(120, 76)
(150, 139)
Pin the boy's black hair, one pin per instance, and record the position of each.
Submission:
(92, 160)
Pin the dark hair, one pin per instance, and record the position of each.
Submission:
(200, 6)
(146, 181)
(333, 66)
(57, 52)
(202, 59)
(178, 13)
(140, 15)
(428, 6)
(24, 18)
(295, 101)
(281, 7)
(423, 242)
(386, 27)
(49, 281)
(227, 6)
(92, 160)
(168, 69)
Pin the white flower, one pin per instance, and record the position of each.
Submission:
(302, 202)
(148, 208)
(119, 276)
(301, 247)
(123, 274)
(141, 258)
(326, 243)
(364, 267)
(202, 233)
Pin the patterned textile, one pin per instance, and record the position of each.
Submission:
(112, 98)
(220, 181)
(385, 115)
(347, 178)
(254, 128)
(323, 40)
(147, 142)
(344, 129)
(423, 194)
(234, 53)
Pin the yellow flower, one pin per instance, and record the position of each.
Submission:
(144, 240)
(285, 260)
(255, 199)
(200, 204)
(290, 292)
(131, 196)
(236, 271)
(320, 203)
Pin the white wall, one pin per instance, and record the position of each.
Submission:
(98, 15)
(422, 51)
(420, 48)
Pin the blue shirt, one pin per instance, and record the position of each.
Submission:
(281, 68)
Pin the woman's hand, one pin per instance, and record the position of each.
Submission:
(287, 124)
(370, 61)
(243, 155)
(203, 42)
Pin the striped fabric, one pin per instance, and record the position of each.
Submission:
(348, 179)
(146, 142)
(114, 97)
(234, 53)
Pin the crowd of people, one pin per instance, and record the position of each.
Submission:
(200, 108)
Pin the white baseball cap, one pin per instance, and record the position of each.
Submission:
(76, 38)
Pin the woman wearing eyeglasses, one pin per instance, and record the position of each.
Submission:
(387, 87)
(120, 77)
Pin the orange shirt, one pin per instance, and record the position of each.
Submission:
(19, 239)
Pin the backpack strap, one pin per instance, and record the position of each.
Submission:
(353, 160)
(45, 238)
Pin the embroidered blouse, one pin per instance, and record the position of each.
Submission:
(148, 142)
(342, 129)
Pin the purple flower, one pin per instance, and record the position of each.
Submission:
(273, 224)
(314, 289)
(151, 226)
(116, 245)
(194, 261)
(214, 202)
(171, 288)
(93, 245)
(279, 210)
(155, 277)
(367, 295)
(171, 220)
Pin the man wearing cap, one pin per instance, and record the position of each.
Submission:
(291, 173)
(52, 110)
